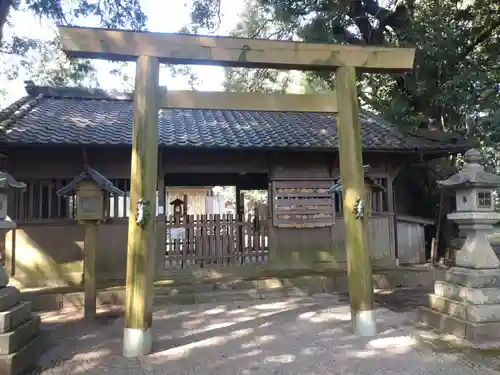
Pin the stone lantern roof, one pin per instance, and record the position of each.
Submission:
(471, 175)
(7, 181)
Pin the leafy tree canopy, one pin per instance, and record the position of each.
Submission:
(42, 60)
(455, 83)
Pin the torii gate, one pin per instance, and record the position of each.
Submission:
(149, 50)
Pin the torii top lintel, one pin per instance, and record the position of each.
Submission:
(124, 45)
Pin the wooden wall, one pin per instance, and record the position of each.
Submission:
(306, 245)
(47, 250)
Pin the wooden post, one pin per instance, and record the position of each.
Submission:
(432, 262)
(438, 226)
(89, 265)
(352, 177)
(137, 339)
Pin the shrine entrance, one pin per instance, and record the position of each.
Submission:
(148, 50)
(216, 220)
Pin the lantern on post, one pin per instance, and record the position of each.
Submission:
(90, 189)
(177, 208)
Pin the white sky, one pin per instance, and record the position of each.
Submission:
(163, 16)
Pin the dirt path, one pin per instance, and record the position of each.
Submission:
(288, 336)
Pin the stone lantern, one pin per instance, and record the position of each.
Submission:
(21, 341)
(475, 211)
(466, 303)
(7, 183)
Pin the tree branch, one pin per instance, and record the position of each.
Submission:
(481, 37)
(257, 32)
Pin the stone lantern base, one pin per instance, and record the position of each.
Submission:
(21, 341)
(466, 305)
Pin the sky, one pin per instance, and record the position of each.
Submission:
(163, 16)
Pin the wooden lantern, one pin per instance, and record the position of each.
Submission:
(90, 188)
(89, 201)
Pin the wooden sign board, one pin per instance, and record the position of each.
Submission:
(303, 204)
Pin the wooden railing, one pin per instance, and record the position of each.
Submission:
(215, 240)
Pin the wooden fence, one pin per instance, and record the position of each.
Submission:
(215, 240)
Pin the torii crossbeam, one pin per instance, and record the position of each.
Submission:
(151, 49)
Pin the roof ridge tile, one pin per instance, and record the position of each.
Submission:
(76, 92)
(18, 109)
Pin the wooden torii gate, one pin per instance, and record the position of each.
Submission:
(151, 49)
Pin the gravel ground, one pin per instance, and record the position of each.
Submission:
(288, 336)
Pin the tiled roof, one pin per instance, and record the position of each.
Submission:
(73, 116)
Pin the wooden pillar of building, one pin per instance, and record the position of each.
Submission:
(353, 187)
(137, 339)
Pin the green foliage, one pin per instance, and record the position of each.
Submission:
(110, 13)
(455, 82)
(41, 60)
(47, 65)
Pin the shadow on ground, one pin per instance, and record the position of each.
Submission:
(288, 336)
(402, 299)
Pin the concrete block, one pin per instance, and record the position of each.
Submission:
(483, 313)
(473, 278)
(316, 285)
(477, 333)
(465, 310)
(483, 332)
(25, 359)
(44, 302)
(341, 284)
(9, 296)
(442, 322)
(447, 306)
(13, 317)
(13, 341)
(329, 285)
(476, 296)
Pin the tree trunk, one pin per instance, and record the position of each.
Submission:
(4, 13)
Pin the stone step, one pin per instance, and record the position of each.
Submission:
(478, 333)
(448, 306)
(16, 315)
(464, 310)
(187, 294)
(223, 296)
(477, 296)
(472, 278)
(13, 341)
(25, 359)
(9, 296)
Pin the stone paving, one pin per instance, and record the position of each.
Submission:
(288, 336)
